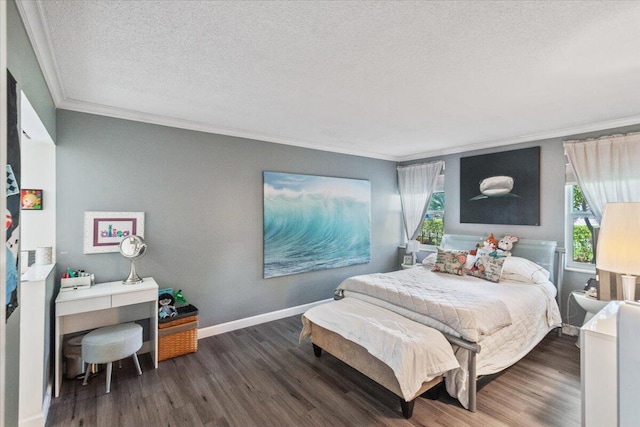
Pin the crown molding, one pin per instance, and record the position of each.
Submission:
(38, 33)
(138, 116)
(559, 133)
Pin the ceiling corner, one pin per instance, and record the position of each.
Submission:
(36, 28)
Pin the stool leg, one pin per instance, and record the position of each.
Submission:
(87, 369)
(135, 360)
(109, 368)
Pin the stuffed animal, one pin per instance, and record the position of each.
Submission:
(166, 306)
(489, 246)
(505, 245)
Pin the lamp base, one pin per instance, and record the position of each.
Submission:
(628, 287)
(133, 278)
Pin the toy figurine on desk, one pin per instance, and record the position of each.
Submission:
(167, 307)
(180, 299)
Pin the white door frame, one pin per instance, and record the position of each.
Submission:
(3, 202)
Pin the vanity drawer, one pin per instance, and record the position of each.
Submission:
(81, 306)
(119, 300)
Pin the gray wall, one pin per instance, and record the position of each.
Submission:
(552, 169)
(22, 64)
(202, 196)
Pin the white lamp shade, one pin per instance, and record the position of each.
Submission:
(619, 239)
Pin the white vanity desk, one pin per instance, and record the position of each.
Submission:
(106, 304)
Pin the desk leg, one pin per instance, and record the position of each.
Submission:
(153, 333)
(58, 353)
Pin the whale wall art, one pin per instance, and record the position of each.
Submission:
(314, 223)
(501, 188)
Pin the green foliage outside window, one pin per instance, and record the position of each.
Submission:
(433, 225)
(432, 230)
(582, 246)
(583, 235)
(437, 202)
(579, 202)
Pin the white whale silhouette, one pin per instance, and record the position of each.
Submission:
(496, 186)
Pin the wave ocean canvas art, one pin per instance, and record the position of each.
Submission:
(315, 223)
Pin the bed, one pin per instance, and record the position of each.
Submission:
(490, 325)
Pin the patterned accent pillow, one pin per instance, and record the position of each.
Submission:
(451, 262)
(487, 268)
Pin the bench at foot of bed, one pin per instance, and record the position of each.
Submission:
(359, 358)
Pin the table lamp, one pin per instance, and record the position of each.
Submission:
(619, 244)
(413, 246)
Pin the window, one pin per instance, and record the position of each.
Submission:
(433, 225)
(580, 230)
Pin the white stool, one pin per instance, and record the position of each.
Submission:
(111, 343)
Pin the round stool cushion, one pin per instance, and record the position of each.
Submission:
(111, 343)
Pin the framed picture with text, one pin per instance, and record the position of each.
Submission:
(103, 231)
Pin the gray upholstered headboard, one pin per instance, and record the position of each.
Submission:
(542, 252)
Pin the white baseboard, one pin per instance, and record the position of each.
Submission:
(39, 420)
(34, 421)
(210, 331)
(570, 330)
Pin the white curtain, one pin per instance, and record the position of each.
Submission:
(607, 169)
(416, 183)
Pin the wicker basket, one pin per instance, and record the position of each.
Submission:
(179, 336)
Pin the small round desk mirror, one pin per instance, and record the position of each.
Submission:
(132, 248)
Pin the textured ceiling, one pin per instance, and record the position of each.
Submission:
(390, 80)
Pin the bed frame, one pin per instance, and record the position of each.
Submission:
(542, 252)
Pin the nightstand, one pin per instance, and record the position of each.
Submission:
(408, 266)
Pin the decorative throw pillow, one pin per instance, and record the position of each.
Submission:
(487, 268)
(471, 260)
(450, 262)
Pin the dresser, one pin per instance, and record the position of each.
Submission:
(598, 368)
(106, 304)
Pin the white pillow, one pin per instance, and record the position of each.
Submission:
(522, 270)
(429, 260)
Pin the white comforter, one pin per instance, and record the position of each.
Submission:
(415, 354)
(472, 311)
(532, 309)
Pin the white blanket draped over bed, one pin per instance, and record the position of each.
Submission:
(415, 354)
(531, 309)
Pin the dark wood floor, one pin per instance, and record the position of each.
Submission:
(262, 376)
